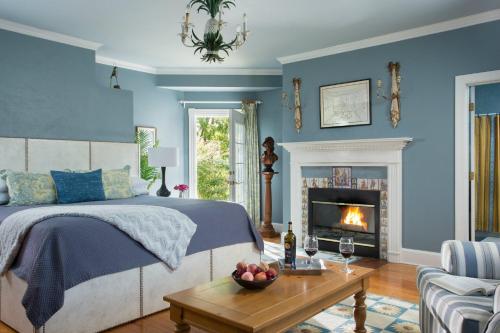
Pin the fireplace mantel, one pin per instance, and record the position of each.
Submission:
(385, 152)
(346, 145)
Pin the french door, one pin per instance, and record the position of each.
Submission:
(217, 155)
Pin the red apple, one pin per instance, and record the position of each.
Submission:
(260, 276)
(271, 273)
(247, 276)
(252, 268)
(241, 266)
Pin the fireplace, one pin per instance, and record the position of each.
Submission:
(335, 212)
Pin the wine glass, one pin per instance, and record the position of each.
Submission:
(346, 248)
(311, 246)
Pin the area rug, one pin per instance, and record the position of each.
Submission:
(273, 252)
(384, 314)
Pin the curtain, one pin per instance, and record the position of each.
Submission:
(252, 161)
(496, 175)
(482, 141)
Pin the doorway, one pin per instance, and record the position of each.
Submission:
(217, 155)
(467, 160)
(484, 161)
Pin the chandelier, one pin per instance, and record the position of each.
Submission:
(212, 44)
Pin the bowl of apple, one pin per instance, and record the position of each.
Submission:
(253, 276)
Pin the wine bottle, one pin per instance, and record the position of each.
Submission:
(290, 247)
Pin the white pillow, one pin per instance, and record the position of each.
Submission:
(4, 198)
(139, 186)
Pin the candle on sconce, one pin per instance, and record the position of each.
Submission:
(245, 22)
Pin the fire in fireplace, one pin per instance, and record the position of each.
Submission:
(334, 213)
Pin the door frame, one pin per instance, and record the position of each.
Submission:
(193, 113)
(463, 227)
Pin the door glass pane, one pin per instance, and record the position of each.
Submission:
(212, 158)
(238, 159)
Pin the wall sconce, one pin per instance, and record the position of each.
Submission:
(114, 75)
(298, 105)
(395, 97)
(285, 103)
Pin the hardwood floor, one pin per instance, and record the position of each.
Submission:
(394, 280)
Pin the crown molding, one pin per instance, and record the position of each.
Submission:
(48, 35)
(431, 29)
(185, 71)
(125, 64)
(220, 71)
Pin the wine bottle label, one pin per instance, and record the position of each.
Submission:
(290, 253)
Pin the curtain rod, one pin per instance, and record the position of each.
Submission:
(183, 102)
(488, 114)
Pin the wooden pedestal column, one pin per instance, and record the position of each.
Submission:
(267, 230)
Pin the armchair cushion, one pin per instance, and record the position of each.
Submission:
(493, 325)
(472, 259)
(496, 301)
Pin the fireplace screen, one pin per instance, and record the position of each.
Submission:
(328, 216)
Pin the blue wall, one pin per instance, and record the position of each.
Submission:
(488, 98)
(428, 68)
(48, 90)
(157, 107)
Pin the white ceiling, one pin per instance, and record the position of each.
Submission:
(145, 31)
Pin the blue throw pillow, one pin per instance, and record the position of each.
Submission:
(78, 187)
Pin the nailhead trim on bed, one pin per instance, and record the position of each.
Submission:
(211, 266)
(141, 292)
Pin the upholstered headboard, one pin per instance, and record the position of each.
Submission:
(39, 155)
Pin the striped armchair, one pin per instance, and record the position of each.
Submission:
(442, 311)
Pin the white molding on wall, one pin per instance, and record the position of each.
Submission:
(462, 149)
(220, 71)
(185, 71)
(419, 257)
(125, 64)
(48, 35)
(431, 29)
(387, 152)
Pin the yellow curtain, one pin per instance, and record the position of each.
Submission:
(496, 179)
(482, 141)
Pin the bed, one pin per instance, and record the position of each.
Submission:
(130, 282)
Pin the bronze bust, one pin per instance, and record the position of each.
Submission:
(269, 157)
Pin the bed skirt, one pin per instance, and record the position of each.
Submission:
(115, 299)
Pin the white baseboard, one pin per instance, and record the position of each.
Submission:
(419, 257)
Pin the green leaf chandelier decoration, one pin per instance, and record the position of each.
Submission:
(212, 44)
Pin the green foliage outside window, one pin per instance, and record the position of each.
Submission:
(213, 158)
(149, 173)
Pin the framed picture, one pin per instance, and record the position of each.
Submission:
(345, 104)
(341, 177)
(149, 133)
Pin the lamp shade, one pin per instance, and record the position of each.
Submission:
(163, 157)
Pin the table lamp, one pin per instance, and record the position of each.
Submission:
(163, 157)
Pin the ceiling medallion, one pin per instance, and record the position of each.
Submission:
(212, 42)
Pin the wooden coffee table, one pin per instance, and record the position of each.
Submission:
(222, 306)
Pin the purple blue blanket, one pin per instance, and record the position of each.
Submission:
(62, 252)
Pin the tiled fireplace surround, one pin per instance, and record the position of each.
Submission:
(378, 184)
(351, 153)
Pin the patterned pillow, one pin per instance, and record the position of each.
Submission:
(117, 183)
(30, 188)
(78, 187)
(3, 181)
